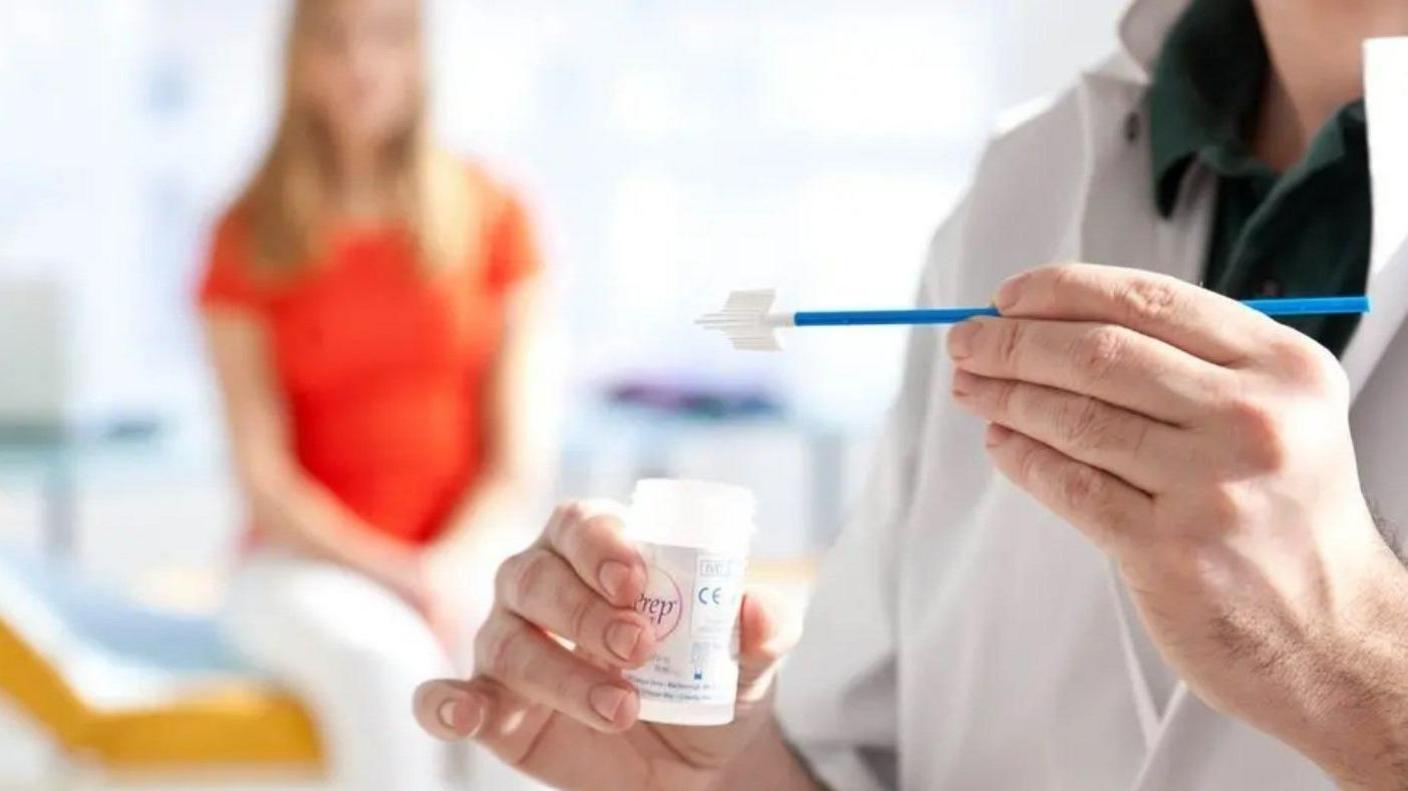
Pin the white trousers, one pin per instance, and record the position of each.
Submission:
(354, 653)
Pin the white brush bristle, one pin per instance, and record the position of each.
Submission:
(744, 321)
(758, 301)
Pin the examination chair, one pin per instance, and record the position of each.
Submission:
(131, 695)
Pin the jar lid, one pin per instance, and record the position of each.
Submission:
(691, 513)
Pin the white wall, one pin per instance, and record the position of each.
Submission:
(673, 149)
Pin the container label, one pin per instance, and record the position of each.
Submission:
(691, 598)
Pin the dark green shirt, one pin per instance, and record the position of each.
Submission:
(1304, 232)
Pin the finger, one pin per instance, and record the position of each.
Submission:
(509, 725)
(588, 535)
(519, 656)
(1106, 509)
(1200, 322)
(449, 709)
(768, 631)
(1106, 361)
(542, 588)
(483, 710)
(1132, 447)
(533, 739)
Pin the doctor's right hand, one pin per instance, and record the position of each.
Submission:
(567, 716)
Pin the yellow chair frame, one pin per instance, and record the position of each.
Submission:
(236, 725)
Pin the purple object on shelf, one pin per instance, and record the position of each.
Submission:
(687, 399)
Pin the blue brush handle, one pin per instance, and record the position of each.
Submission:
(842, 318)
(1289, 306)
(1309, 306)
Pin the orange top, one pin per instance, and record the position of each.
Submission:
(383, 366)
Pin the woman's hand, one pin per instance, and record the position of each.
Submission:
(566, 715)
(1207, 450)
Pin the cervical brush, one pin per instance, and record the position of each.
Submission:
(750, 324)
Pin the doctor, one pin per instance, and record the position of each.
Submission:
(1173, 573)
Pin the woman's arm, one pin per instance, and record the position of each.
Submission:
(519, 427)
(286, 503)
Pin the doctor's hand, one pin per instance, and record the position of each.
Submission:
(1207, 450)
(565, 715)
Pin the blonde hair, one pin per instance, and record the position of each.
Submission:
(288, 200)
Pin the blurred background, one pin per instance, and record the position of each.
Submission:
(668, 151)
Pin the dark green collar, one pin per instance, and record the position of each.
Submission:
(1204, 98)
(1304, 232)
(1206, 88)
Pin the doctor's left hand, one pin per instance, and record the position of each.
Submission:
(548, 695)
(1206, 449)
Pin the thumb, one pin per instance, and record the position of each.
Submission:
(769, 629)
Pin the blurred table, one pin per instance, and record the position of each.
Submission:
(645, 443)
(56, 456)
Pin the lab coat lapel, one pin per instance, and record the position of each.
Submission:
(1386, 100)
(1118, 222)
(1376, 360)
(1199, 748)
(1119, 226)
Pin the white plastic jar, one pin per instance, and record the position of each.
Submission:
(694, 536)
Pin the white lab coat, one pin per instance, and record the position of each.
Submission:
(963, 637)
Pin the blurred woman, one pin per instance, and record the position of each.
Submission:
(367, 308)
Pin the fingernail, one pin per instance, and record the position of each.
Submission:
(996, 435)
(614, 576)
(1008, 292)
(961, 339)
(447, 714)
(460, 715)
(622, 637)
(606, 700)
(450, 713)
